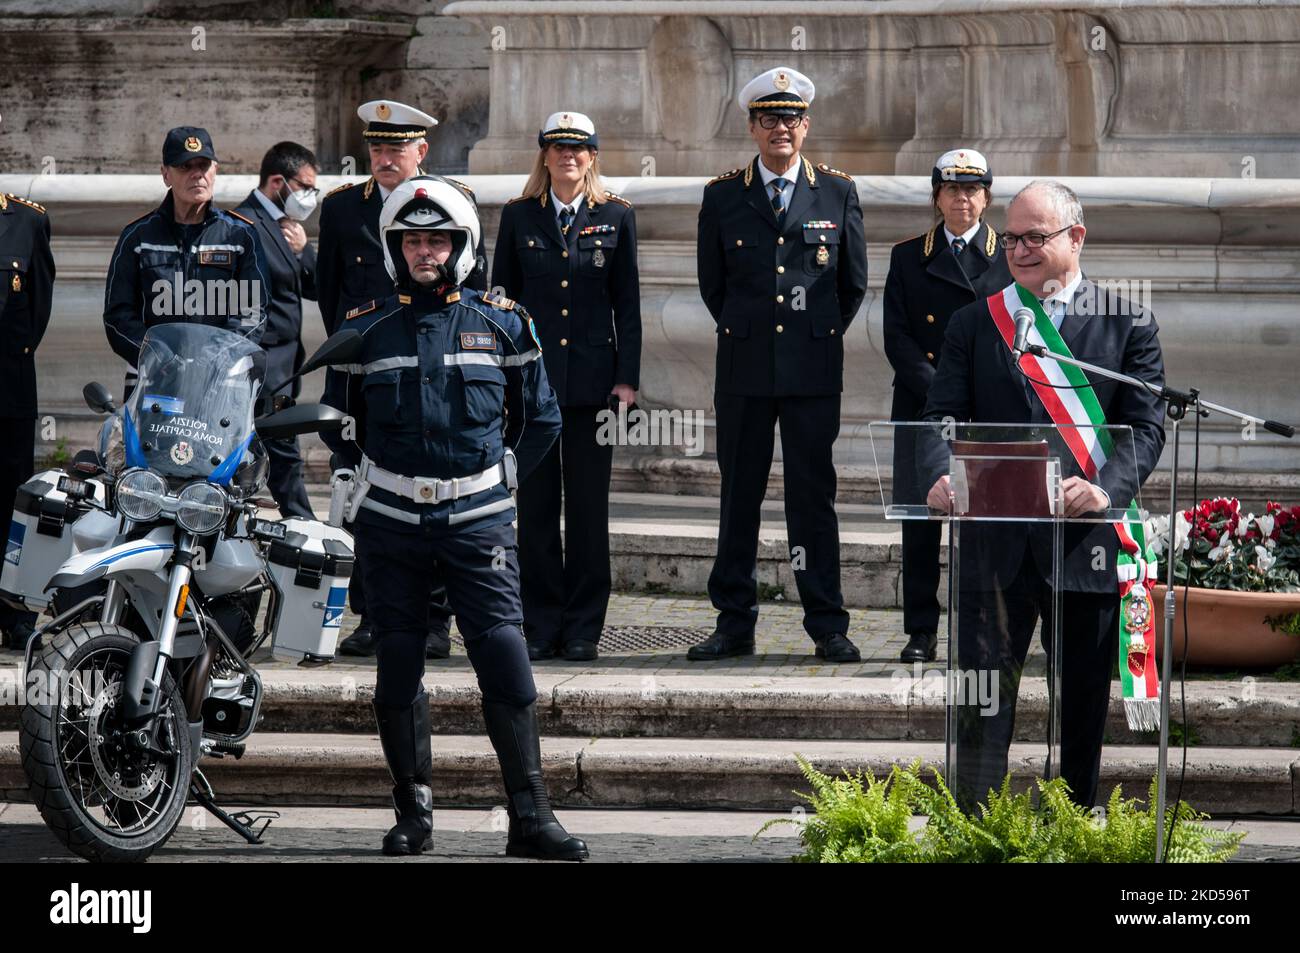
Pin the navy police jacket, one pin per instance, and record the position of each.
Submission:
(445, 383)
(26, 290)
(155, 277)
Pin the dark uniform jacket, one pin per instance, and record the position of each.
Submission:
(782, 296)
(977, 381)
(583, 291)
(26, 287)
(926, 284)
(350, 264)
(293, 278)
(226, 259)
(444, 384)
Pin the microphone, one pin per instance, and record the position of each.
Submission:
(1024, 319)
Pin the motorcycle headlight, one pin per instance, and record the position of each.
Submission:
(140, 495)
(202, 508)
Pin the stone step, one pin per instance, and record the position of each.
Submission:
(719, 773)
(906, 707)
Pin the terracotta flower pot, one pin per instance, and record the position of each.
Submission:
(1227, 628)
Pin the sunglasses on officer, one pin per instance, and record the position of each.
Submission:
(771, 121)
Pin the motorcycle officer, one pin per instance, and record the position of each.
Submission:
(449, 403)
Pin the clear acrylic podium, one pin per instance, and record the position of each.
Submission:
(1012, 553)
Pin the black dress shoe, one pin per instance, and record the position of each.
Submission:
(921, 647)
(540, 651)
(361, 642)
(580, 650)
(719, 646)
(438, 645)
(837, 648)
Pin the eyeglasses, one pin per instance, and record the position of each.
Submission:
(770, 121)
(1031, 240)
(303, 186)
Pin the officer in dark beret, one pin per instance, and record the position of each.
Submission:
(26, 286)
(782, 263)
(958, 261)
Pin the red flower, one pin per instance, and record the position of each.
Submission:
(1212, 535)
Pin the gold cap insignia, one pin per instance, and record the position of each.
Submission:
(566, 121)
(192, 144)
(782, 81)
(383, 111)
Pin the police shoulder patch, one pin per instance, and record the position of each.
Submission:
(722, 178)
(361, 309)
(613, 197)
(22, 201)
(339, 188)
(234, 214)
(498, 301)
(823, 167)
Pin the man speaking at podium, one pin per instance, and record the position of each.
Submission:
(1006, 567)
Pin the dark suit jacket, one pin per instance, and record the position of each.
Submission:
(26, 289)
(976, 381)
(782, 295)
(583, 292)
(350, 266)
(926, 284)
(292, 278)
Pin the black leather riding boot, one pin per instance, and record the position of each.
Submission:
(534, 831)
(404, 734)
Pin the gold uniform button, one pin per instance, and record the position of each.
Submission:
(779, 329)
(739, 242)
(564, 254)
(16, 264)
(823, 238)
(780, 298)
(930, 355)
(929, 319)
(530, 243)
(597, 241)
(358, 259)
(564, 283)
(780, 269)
(564, 312)
(564, 342)
(832, 332)
(27, 350)
(726, 330)
(780, 241)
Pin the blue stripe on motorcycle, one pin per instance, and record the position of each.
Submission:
(129, 552)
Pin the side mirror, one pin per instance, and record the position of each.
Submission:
(300, 419)
(342, 347)
(98, 398)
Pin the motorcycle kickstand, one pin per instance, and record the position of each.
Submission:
(248, 825)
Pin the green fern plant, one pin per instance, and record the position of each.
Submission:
(858, 818)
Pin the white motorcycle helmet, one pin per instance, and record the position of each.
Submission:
(429, 203)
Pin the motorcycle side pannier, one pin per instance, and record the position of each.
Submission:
(312, 566)
(40, 535)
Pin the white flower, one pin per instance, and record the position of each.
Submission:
(1266, 524)
(1157, 528)
(1243, 525)
(1182, 529)
(1222, 551)
(1264, 559)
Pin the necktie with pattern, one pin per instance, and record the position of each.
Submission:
(566, 219)
(958, 246)
(778, 197)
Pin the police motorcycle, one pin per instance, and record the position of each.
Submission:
(135, 553)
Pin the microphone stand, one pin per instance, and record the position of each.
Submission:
(1176, 404)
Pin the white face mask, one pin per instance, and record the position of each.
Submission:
(299, 205)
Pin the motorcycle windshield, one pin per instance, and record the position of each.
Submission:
(191, 415)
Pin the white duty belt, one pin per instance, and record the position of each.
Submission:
(434, 490)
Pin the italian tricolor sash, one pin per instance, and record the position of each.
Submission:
(1077, 411)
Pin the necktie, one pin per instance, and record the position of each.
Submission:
(958, 245)
(778, 197)
(566, 219)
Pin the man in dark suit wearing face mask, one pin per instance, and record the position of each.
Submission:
(285, 197)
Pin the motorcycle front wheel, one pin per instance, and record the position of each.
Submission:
(104, 797)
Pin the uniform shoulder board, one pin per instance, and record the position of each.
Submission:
(339, 188)
(498, 301)
(823, 167)
(361, 309)
(22, 201)
(617, 198)
(518, 198)
(731, 174)
(234, 214)
(459, 184)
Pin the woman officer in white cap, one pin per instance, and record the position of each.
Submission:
(956, 262)
(566, 250)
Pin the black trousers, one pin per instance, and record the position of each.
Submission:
(285, 478)
(745, 429)
(566, 585)
(994, 630)
(921, 576)
(17, 453)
